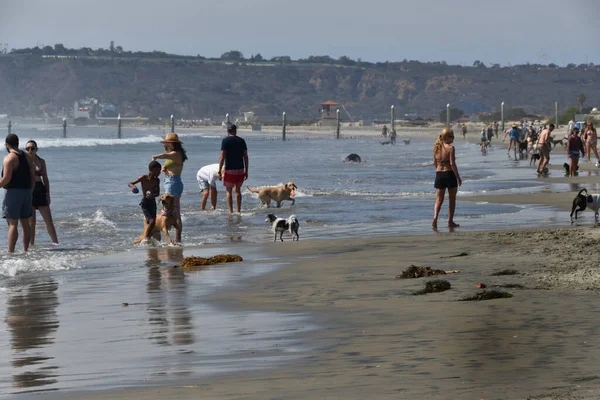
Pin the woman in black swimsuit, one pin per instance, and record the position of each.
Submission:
(41, 193)
(446, 176)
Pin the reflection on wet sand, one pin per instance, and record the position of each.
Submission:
(169, 315)
(32, 321)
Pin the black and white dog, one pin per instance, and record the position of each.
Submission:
(583, 201)
(280, 225)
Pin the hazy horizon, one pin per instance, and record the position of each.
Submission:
(508, 33)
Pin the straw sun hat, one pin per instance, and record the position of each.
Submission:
(171, 138)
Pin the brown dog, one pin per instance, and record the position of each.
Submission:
(165, 220)
(276, 193)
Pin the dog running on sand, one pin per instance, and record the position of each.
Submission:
(280, 225)
(584, 200)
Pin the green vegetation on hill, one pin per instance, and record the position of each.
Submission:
(155, 84)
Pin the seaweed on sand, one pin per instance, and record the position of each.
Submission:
(415, 271)
(506, 272)
(196, 263)
(435, 286)
(487, 295)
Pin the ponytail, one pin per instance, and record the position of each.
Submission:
(437, 146)
(439, 142)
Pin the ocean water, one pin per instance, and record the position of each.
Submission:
(390, 193)
(63, 305)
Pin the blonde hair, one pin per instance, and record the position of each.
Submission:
(443, 138)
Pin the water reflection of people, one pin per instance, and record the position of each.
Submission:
(32, 321)
(169, 315)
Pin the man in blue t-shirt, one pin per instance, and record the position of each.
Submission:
(234, 154)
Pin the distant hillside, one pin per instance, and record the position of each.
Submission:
(158, 87)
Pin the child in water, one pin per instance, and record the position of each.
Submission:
(150, 190)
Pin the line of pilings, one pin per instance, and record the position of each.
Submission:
(284, 121)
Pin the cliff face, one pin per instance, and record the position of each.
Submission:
(191, 89)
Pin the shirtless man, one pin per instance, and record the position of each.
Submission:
(544, 148)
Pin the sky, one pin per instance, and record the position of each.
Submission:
(506, 32)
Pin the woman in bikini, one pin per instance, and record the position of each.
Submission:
(41, 194)
(446, 176)
(591, 141)
(175, 157)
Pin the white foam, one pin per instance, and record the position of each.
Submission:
(11, 265)
(91, 142)
(98, 218)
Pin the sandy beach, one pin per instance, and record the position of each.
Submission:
(378, 340)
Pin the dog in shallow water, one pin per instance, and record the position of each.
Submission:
(280, 225)
(584, 200)
(276, 193)
(567, 169)
(165, 220)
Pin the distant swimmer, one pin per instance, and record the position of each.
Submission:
(384, 131)
(353, 157)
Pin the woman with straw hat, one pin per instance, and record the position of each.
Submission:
(175, 157)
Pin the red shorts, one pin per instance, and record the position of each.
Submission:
(233, 177)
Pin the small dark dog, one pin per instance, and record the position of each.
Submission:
(583, 201)
(567, 169)
(280, 225)
(554, 142)
(535, 157)
(523, 149)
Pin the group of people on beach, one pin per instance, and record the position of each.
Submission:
(586, 143)
(25, 178)
(232, 169)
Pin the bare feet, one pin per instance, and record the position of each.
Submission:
(434, 223)
(453, 225)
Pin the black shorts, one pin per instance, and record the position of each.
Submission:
(445, 180)
(149, 209)
(39, 196)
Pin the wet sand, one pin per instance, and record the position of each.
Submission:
(377, 340)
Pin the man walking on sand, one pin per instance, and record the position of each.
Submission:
(234, 154)
(544, 148)
(18, 178)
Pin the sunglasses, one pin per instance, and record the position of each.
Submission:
(30, 148)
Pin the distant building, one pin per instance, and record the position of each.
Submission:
(249, 116)
(329, 113)
(85, 108)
